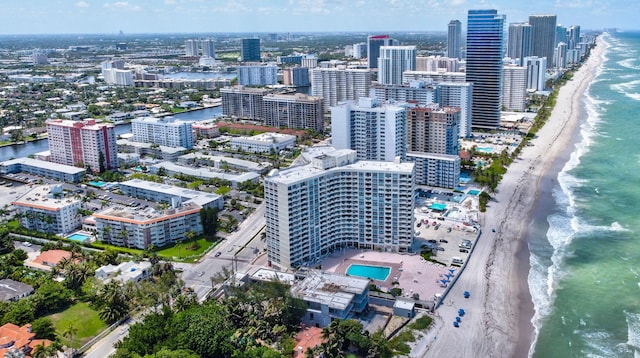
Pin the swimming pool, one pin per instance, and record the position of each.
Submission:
(438, 206)
(98, 184)
(484, 149)
(379, 273)
(79, 237)
(473, 192)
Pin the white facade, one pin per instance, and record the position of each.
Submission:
(417, 91)
(536, 73)
(393, 61)
(191, 47)
(129, 227)
(339, 84)
(433, 77)
(374, 131)
(45, 209)
(457, 94)
(437, 63)
(336, 201)
(264, 142)
(114, 76)
(560, 55)
(165, 131)
(208, 48)
(441, 170)
(257, 75)
(514, 88)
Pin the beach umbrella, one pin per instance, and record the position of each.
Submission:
(461, 312)
(456, 324)
(458, 319)
(449, 276)
(444, 282)
(452, 271)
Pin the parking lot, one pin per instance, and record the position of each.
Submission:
(449, 233)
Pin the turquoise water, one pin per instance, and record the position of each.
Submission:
(438, 206)
(98, 184)
(484, 149)
(586, 266)
(379, 273)
(473, 192)
(78, 237)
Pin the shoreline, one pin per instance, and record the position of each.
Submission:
(500, 309)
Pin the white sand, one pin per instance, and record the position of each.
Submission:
(491, 326)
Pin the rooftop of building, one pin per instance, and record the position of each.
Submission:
(146, 216)
(196, 196)
(303, 172)
(42, 197)
(331, 289)
(162, 148)
(269, 137)
(234, 161)
(297, 97)
(52, 258)
(243, 89)
(66, 169)
(207, 172)
(168, 120)
(125, 271)
(10, 289)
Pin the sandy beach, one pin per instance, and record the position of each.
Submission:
(498, 315)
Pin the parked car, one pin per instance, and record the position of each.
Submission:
(439, 248)
(445, 241)
(432, 241)
(464, 250)
(218, 253)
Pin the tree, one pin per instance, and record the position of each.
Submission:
(44, 329)
(70, 332)
(101, 162)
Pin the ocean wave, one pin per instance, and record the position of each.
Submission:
(624, 87)
(635, 96)
(628, 63)
(633, 331)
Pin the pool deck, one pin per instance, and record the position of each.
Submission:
(413, 273)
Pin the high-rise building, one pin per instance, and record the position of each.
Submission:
(393, 61)
(573, 37)
(561, 35)
(374, 131)
(433, 130)
(536, 73)
(166, 131)
(250, 50)
(433, 145)
(359, 50)
(296, 76)
(83, 143)
(257, 75)
(243, 102)
(44, 208)
(339, 84)
(337, 202)
(520, 41)
(208, 48)
(544, 36)
(415, 91)
(437, 63)
(114, 73)
(459, 95)
(430, 77)
(294, 111)
(485, 31)
(191, 47)
(373, 48)
(514, 88)
(560, 55)
(454, 39)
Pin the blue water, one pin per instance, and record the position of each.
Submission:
(78, 237)
(485, 149)
(98, 184)
(585, 268)
(379, 273)
(473, 192)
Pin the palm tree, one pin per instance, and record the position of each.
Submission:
(70, 333)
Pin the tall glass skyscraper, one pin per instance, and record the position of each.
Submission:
(250, 50)
(544, 36)
(485, 48)
(520, 44)
(454, 39)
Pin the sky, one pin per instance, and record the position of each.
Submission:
(253, 16)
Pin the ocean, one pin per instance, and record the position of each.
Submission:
(585, 250)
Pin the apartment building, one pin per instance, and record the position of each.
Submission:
(337, 201)
(297, 111)
(44, 208)
(166, 131)
(338, 84)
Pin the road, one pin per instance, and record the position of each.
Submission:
(105, 346)
(198, 275)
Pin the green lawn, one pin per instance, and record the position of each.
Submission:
(85, 319)
(182, 252)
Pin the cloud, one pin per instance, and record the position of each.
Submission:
(82, 4)
(169, 2)
(122, 5)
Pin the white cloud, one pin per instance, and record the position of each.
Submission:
(122, 5)
(82, 4)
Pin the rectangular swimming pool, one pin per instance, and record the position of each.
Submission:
(473, 192)
(78, 237)
(379, 273)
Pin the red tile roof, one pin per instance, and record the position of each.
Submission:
(52, 257)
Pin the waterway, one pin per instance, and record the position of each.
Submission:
(24, 150)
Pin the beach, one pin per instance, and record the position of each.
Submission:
(498, 315)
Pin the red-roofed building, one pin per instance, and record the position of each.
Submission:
(17, 338)
(308, 337)
(49, 259)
